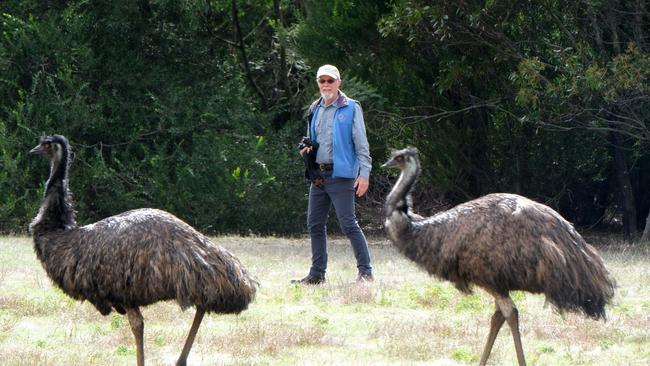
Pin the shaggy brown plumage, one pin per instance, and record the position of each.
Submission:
(499, 242)
(133, 259)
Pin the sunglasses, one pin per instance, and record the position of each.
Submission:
(329, 81)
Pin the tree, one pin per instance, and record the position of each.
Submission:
(596, 78)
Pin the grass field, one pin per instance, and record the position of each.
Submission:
(404, 318)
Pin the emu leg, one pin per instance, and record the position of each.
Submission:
(513, 322)
(182, 360)
(511, 315)
(495, 325)
(137, 327)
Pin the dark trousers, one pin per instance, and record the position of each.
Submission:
(338, 192)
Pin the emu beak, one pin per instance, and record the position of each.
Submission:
(37, 150)
(389, 164)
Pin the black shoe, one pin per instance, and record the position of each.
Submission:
(365, 277)
(310, 280)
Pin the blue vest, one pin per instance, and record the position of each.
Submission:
(344, 156)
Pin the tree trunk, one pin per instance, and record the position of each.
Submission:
(283, 53)
(626, 195)
(639, 12)
(646, 231)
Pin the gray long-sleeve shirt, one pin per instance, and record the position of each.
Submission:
(324, 128)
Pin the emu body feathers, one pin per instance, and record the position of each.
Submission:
(504, 242)
(140, 257)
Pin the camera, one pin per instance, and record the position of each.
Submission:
(306, 142)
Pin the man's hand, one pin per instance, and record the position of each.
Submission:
(305, 150)
(361, 185)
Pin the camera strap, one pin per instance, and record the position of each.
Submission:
(311, 168)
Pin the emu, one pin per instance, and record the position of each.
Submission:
(133, 259)
(501, 243)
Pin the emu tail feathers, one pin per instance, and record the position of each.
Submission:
(219, 284)
(587, 287)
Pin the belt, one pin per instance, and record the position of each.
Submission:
(325, 167)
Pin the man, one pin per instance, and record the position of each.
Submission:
(344, 161)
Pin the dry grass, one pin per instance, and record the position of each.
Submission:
(403, 318)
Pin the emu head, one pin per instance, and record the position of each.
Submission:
(55, 148)
(403, 159)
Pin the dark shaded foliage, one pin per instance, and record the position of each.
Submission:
(195, 107)
(158, 112)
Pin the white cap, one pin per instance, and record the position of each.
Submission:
(329, 70)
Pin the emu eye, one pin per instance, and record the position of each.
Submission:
(399, 158)
(47, 145)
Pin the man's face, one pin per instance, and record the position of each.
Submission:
(328, 86)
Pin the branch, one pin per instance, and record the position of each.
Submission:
(242, 50)
(406, 121)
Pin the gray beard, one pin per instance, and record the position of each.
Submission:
(327, 96)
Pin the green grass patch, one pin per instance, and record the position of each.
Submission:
(405, 317)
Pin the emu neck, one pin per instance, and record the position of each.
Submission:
(56, 212)
(398, 222)
(397, 198)
(58, 170)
